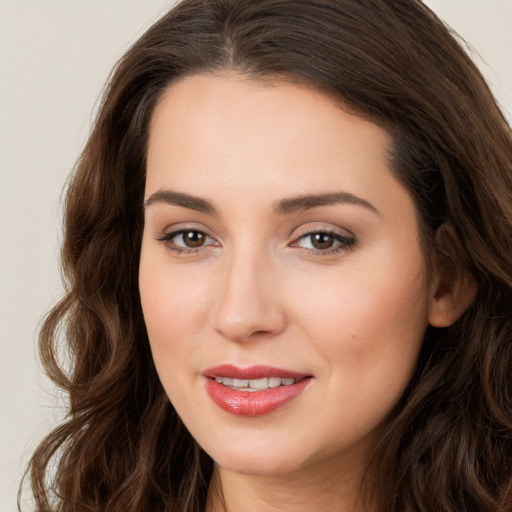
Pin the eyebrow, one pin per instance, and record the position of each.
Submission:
(307, 202)
(179, 199)
(281, 207)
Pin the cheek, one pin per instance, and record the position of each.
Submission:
(367, 320)
(170, 298)
(369, 328)
(174, 303)
(363, 307)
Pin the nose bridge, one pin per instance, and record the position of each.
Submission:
(247, 302)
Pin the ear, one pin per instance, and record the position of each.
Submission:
(454, 288)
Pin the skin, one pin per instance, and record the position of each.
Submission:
(257, 291)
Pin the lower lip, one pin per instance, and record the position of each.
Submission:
(253, 403)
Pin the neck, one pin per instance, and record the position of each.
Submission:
(319, 487)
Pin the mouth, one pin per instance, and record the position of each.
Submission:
(253, 391)
(253, 385)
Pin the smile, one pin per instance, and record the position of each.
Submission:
(255, 384)
(253, 391)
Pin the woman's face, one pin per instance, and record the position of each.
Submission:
(281, 275)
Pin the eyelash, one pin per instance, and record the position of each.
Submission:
(166, 239)
(345, 242)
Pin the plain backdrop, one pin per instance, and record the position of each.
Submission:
(54, 58)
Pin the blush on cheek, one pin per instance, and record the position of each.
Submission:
(172, 298)
(367, 318)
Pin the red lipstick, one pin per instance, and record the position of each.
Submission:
(238, 400)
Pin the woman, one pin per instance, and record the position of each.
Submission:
(288, 252)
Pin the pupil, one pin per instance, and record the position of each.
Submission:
(322, 241)
(194, 238)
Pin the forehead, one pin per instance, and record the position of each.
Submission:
(210, 127)
(211, 101)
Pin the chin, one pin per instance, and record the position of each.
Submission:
(261, 465)
(259, 458)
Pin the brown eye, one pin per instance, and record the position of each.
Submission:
(193, 238)
(322, 241)
(186, 240)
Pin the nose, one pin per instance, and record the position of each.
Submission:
(248, 304)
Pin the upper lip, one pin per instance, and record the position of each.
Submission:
(251, 372)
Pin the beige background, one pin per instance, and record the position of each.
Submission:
(54, 58)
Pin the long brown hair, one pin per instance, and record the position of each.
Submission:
(448, 447)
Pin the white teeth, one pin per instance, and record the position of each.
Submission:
(224, 380)
(258, 383)
(255, 384)
(274, 382)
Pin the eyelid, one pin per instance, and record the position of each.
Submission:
(172, 234)
(313, 227)
(184, 226)
(175, 230)
(346, 240)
